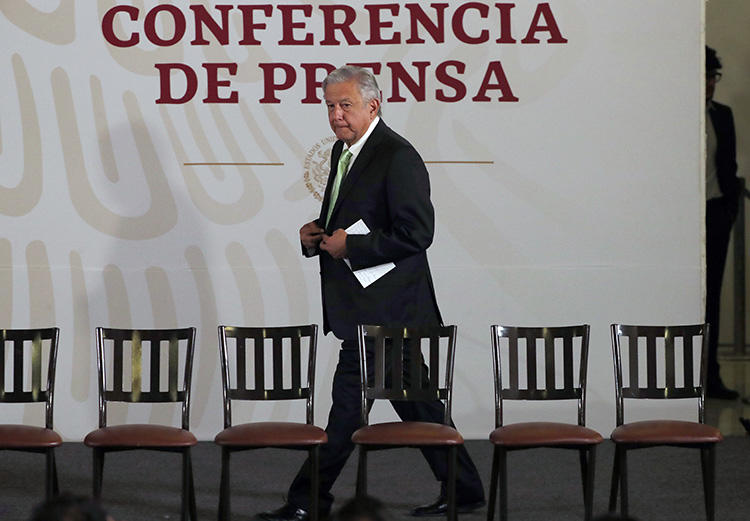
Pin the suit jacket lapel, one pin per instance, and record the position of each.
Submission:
(360, 163)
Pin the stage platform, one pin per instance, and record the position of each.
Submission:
(545, 484)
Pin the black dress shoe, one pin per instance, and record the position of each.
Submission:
(720, 392)
(286, 513)
(439, 507)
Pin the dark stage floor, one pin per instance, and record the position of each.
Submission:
(545, 484)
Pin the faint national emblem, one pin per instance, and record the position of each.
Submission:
(317, 167)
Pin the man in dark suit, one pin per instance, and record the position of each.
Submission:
(378, 177)
(722, 197)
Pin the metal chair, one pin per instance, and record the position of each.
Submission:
(559, 345)
(129, 355)
(40, 382)
(243, 346)
(674, 347)
(393, 368)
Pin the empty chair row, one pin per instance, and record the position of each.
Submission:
(278, 363)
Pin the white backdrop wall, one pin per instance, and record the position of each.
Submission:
(580, 202)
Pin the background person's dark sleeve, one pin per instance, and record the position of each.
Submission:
(726, 152)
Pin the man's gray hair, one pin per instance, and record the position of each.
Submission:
(368, 86)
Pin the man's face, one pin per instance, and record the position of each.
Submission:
(712, 77)
(348, 113)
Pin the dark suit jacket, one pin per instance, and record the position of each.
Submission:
(726, 163)
(389, 189)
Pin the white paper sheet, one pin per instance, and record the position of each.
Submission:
(366, 276)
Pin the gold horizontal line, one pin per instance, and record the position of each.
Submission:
(233, 164)
(460, 162)
(282, 164)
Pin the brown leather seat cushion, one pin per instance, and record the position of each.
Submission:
(407, 433)
(271, 434)
(27, 436)
(666, 432)
(541, 434)
(139, 435)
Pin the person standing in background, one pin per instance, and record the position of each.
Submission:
(722, 198)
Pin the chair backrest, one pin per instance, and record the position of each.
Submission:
(395, 368)
(33, 379)
(248, 352)
(127, 359)
(549, 357)
(661, 362)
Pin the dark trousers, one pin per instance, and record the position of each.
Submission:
(720, 215)
(346, 416)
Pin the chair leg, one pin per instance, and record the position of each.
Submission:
(314, 482)
(708, 464)
(362, 472)
(98, 472)
(55, 485)
(49, 482)
(615, 482)
(582, 461)
(503, 462)
(623, 482)
(493, 485)
(452, 460)
(224, 501)
(188, 511)
(588, 465)
(193, 507)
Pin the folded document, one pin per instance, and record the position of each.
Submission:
(367, 276)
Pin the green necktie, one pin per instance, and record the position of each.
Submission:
(346, 156)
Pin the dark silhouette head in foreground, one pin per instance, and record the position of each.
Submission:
(67, 507)
(613, 517)
(363, 509)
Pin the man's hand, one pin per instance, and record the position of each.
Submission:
(335, 244)
(310, 235)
